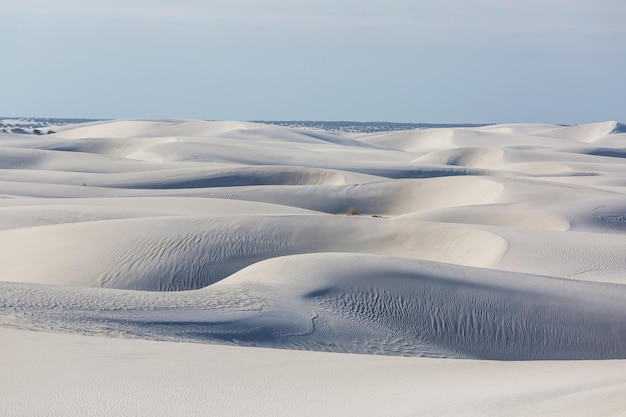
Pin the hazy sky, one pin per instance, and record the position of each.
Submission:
(557, 61)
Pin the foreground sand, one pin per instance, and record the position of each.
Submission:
(59, 374)
(503, 242)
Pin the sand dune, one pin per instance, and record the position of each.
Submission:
(182, 253)
(502, 242)
(414, 140)
(355, 303)
(583, 133)
(468, 157)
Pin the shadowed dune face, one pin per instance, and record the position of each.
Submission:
(496, 242)
(428, 309)
(353, 303)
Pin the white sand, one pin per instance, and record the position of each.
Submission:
(503, 242)
(45, 374)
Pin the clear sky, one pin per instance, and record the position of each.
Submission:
(438, 61)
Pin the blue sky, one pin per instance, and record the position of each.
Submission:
(443, 61)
